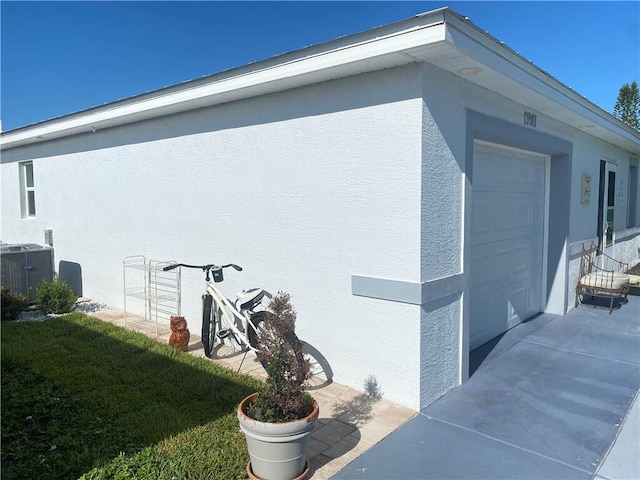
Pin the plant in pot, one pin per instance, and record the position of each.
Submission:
(278, 421)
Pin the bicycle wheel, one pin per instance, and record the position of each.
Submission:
(320, 370)
(256, 320)
(209, 317)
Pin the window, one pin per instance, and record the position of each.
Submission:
(611, 207)
(606, 205)
(28, 190)
(632, 217)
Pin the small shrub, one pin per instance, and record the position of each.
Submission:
(55, 297)
(284, 398)
(12, 304)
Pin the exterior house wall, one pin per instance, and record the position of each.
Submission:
(588, 153)
(313, 190)
(452, 96)
(584, 217)
(302, 188)
(441, 231)
(447, 100)
(446, 184)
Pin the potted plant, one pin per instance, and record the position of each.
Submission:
(278, 421)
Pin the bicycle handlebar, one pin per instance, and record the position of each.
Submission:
(204, 268)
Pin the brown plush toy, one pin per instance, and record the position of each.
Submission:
(179, 333)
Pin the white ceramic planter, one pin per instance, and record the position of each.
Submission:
(278, 451)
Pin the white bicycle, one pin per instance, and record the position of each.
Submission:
(222, 318)
(240, 321)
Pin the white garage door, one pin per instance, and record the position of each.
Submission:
(507, 239)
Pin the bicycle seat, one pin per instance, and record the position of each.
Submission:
(249, 298)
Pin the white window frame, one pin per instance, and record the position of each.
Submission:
(28, 191)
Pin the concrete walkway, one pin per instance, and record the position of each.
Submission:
(554, 398)
(623, 460)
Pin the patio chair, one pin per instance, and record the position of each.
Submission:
(601, 276)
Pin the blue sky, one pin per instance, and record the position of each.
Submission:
(62, 57)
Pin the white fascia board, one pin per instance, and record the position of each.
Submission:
(306, 69)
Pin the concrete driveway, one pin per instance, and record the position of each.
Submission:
(547, 400)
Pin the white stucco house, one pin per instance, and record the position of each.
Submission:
(418, 189)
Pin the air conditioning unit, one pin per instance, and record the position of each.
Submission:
(24, 266)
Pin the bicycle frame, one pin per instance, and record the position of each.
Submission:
(230, 314)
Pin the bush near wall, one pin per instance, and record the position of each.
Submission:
(12, 304)
(55, 297)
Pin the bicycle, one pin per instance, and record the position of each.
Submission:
(222, 318)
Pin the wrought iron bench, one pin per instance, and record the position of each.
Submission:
(601, 276)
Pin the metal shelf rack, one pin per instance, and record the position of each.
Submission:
(149, 291)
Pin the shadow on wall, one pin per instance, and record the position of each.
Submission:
(372, 388)
(71, 274)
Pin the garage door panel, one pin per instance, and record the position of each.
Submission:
(525, 297)
(507, 239)
(504, 309)
(490, 316)
(496, 265)
(514, 185)
(506, 215)
(507, 171)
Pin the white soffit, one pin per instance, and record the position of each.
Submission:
(508, 74)
(442, 38)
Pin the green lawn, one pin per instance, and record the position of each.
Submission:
(82, 398)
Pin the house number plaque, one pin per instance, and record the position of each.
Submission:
(585, 190)
(530, 119)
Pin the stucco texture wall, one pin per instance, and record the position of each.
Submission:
(588, 153)
(446, 100)
(302, 188)
(364, 175)
(441, 231)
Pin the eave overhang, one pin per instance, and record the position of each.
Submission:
(441, 37)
